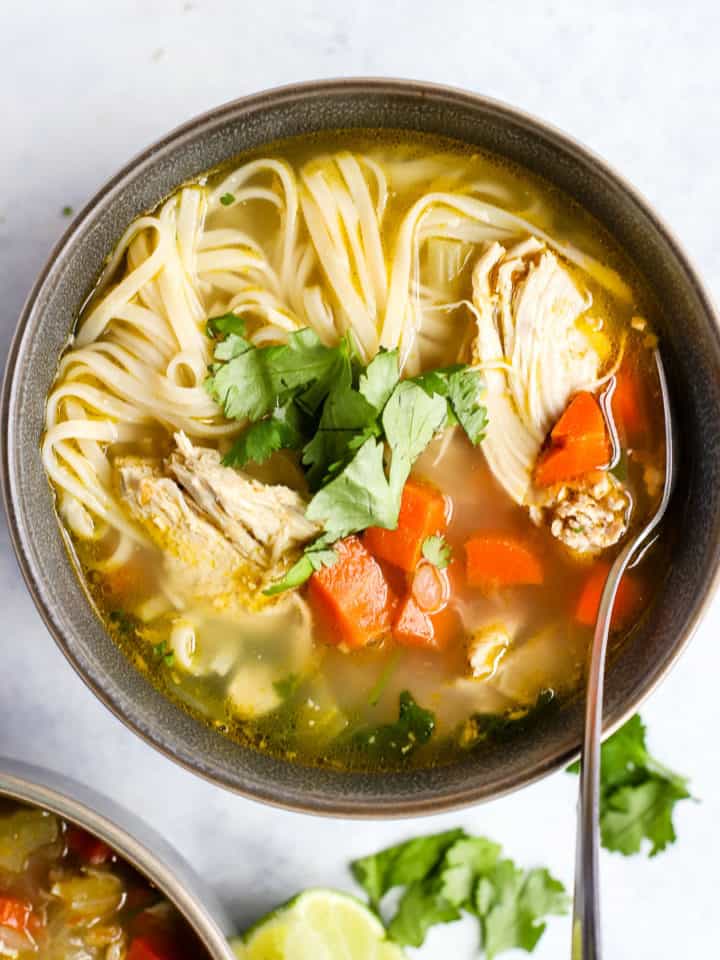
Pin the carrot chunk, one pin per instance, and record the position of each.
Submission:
(423, 617)
(422, 514)
(628, 601)
(352, 599)
(150, 948)
(501, 561)
(15, 914)
(579, 443)
(578, 458)
(582, 418)
(629, 402)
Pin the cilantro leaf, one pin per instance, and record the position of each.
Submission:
(346, 415)
(637, 793)
(463, 862)
(634, 813)
(224, 324)
(313, 559)
(358, 497)
(510, 914)
(412, 729)
(252, 383)
(411, 419)
(437, 551)
(464, 391)
(282, 430)
(227, 199)
(380, 379)
(403, 863)
(447, 873)
(462, 387)
(420, 908)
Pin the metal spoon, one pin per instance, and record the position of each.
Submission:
(586, 902)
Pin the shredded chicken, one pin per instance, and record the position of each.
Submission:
(222, 534)
(264, 522)
(533, 354)
(486, 648)
(590, 515)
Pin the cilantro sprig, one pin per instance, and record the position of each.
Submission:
(637, 793)
(437, 551)
(444, 875)
(359, 429)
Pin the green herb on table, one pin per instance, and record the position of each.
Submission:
(359, 428)
(445, 875)
(67, 211)
(637, 793)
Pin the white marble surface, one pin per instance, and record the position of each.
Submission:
(83, 86)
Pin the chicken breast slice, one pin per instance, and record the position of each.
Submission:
(264, 522)
(533, 354)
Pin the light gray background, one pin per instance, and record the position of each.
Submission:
(84, 86)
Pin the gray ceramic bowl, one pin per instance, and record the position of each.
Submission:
(131, 838)
(691, 348)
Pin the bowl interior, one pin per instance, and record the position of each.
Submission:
(691, 349)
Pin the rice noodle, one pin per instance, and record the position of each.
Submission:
(316, 255)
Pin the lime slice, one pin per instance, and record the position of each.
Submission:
(318, 925)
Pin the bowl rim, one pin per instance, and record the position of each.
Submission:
(150, 854)
(271, 793)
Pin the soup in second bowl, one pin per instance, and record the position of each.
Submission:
(65, 895)
(346, 440)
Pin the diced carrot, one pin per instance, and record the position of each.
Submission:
(422, 514)
(628, 601)
(558, 464)
(415, 628)
(629, 402)
(352, 599)
(86, 847)
(501, 560)
(151, 948)
(582, 418)
(579, 443)
(15, 914)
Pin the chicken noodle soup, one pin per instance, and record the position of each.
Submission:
(64, 895)
(345, 442)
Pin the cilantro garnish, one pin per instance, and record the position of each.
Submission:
(359, 429)
(411, 730)
(447, 874)
(286, 687)
(67, 211)
(124, 623)
(161, 651)
(437, 551)
(637, 794)
(227, 199)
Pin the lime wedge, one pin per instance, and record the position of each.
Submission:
(318, 925)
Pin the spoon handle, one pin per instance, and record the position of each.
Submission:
(586, 943)
(586, 901)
